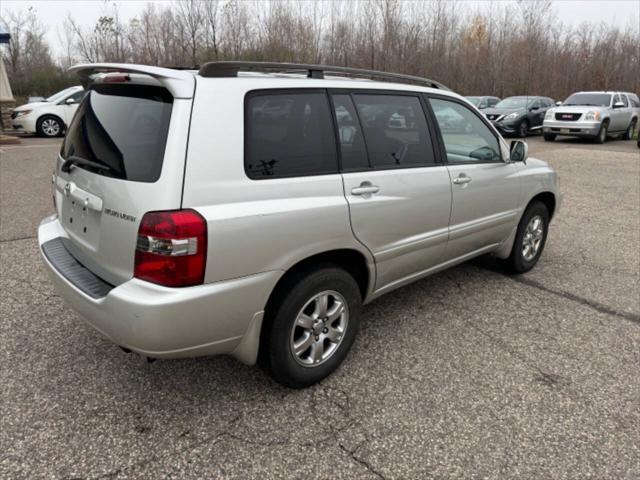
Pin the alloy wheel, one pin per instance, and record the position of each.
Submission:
(532, 240)
(319, 328)
(50, 127)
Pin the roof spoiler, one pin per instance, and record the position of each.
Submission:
(180, 83)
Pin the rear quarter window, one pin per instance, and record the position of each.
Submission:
(124, 128)
(288, 135)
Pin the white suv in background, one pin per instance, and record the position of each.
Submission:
(593, 115)
(50, 117)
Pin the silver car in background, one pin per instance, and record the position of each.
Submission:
(222, 211)
(482, 102)
(593, 115)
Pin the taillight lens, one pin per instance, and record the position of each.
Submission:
(172, 248)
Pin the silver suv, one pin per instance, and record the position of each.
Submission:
(222, 211)
(593, 115)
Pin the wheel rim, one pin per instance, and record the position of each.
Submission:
(532, 240)
(319, 328)
(50, 127)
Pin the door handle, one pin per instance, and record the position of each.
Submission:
(461, 179)
(365, 188)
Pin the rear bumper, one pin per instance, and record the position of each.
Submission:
(217, 318)
(577, 129)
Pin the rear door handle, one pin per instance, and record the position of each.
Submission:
(462, 179)
(365, 188)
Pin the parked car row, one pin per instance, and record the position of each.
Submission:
(594, 115)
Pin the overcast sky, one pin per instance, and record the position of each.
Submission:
(573, 12)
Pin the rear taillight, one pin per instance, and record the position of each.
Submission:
(110, 78)
(172, 248)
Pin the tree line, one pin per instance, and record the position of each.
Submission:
(503, 49)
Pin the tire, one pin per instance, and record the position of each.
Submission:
(523, 129)
(518, 261)
(602, 134)
(628, 135)
(331, 340)
(549, 137)
(49, 126)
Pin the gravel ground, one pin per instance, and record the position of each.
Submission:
(468, 374)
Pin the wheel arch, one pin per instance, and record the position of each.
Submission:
(548, 198)
(351, 260)
(44, 115)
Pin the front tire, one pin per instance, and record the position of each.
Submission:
(530, 238)
(628, 135)
(523, 129)
(602, 134)
(312, 327)
(49, 126)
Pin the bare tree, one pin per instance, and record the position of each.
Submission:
(501, 49)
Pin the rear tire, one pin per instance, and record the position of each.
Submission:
(312, 327)
(602, 134)
(549, 137)
(530, 238)
(628, 135)
(49, 126)
(523, 129)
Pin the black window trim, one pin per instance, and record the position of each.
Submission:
(284, 91)
(438, 157)
(440, 139)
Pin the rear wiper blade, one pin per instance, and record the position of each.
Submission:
(75, 160)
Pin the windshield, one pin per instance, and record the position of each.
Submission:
(515, 102)
(474, 100)
(121, 130)
(56, 97)
(589, 99)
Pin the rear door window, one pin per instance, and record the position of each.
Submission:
(289, 134)
(395, 130)
(623, 99)
(122, 130)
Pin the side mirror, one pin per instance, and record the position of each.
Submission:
(618, 105)
(69, 101)
(518, 151)
(558, 103)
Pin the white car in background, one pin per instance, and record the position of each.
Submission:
(48, 118)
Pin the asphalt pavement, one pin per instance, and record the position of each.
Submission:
(470, 373)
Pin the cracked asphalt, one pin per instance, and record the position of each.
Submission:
(468, 374)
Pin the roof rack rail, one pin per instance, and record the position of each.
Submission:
(231, 69)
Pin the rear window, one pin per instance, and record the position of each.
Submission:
(124, 128)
